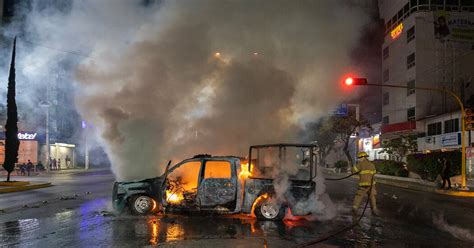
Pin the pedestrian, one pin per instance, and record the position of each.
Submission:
(59, 163)
(39, 166)
(29, 166)
(54, 164)
(68, 161)
(22, 169)
(366, 171)
(445, 172)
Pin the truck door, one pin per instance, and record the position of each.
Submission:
(219, 184)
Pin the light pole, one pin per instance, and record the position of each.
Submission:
(46, 105)
(363, 81)
(86, 146)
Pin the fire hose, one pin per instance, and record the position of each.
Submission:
(354, 223)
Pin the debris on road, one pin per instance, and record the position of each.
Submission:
(74, 197)
(45, 202)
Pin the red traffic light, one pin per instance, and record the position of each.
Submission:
(349, 81)
(355, 81)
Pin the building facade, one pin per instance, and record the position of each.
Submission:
(428, 43)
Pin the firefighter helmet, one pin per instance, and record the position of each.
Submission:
(362, 155)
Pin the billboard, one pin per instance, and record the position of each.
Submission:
(454, 26)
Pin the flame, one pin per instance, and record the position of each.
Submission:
(260, 198)
(174, 197)
(244, 170)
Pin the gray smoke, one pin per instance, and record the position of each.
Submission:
(457, 232)
(176, 78)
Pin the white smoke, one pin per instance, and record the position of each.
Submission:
(457, 232)
(154, 87)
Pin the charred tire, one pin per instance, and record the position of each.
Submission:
(268, 210)
(141, 204)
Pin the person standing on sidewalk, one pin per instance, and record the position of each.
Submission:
(445, 173)
(366, 170)
(29, 166)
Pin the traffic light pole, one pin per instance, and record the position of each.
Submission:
(463, 127)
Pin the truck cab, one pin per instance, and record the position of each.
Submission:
(227, 184)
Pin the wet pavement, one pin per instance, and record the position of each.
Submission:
(78, 214)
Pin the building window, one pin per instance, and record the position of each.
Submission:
(386, 98)
(385, 120)
(385, 53)
(451, 126)
(411, 87)
(434, 129)
(386, 75)
(411, 60)
(411, 34)
(411, 114)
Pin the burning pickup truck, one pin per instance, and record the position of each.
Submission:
(273, 179)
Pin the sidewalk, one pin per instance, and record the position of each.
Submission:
(418, 184)
(422, 185)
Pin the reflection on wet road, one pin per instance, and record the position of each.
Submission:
(93, 225)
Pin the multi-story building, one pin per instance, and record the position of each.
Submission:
(428, 43)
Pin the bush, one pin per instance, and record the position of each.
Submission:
(391, 168)
(342, 165)
(428, 167)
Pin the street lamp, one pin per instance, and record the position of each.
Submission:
(46, 104)
(86, 146)
(363, 81)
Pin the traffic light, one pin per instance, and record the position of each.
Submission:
(355, 81)
(468, 119)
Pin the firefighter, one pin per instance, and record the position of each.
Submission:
(366, 170)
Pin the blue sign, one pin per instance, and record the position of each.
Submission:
(341, 110)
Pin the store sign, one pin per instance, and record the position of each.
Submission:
(452, 139)
(341, 110)
(368, 144)
(26, 136)
(454, 26)
(396, 31)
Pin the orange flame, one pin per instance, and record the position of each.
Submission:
(174, 197)
(244, 170)
(260, 198)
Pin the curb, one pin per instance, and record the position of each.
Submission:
(25, 187)
(16, 183)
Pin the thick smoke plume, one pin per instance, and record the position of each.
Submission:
(175, 78)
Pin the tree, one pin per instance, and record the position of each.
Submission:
(345, 127)
(324, 137)
(400, 147)
(11, 128)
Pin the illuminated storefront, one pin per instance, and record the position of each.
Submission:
(28, 149)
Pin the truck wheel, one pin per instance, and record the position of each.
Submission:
(141, 204)
(268, 210)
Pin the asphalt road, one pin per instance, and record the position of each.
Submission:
(82, 219)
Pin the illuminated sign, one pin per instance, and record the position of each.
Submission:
(396, 31)
(26, 136)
